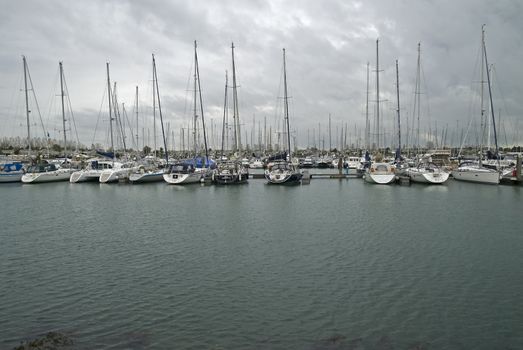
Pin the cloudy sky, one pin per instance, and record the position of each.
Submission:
(328, 45)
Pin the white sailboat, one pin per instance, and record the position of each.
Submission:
(284, 171)
(92, 171)
(48, 172)
(428, 173)
(189, 171)
(234, 171)
(151, 172)
(379, 172)
(472, 171)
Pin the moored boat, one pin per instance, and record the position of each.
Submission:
(428, 173)
(45, 172)
(380, 173)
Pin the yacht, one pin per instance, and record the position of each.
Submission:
(380, 173)
(46, 172)
(93, 170)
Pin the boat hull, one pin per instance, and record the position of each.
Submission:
(428, 177)
(291, 178)
(15, 176)
(50, 176)
(85, 176)
(137, 178)
(182, 179)
(229, 179)
(380, 179)
(479, 176)
(111, 176)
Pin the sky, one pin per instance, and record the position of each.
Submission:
(328, 45)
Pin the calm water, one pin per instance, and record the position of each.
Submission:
(330, 265)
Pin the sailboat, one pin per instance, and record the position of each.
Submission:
(472, 171)
(232, 171)
(284, 171)
(426, 171)
(119, 171)
(152, 174)
(192, 170)
(47, 172)
(378, 172)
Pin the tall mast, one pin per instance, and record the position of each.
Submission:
(490, 95)
(27, 111)
(286, 105)
(194, 105)
(377, 97)
(155, 80)
(417, 97)
(482, 90)
(154, 113)
(136, 108)
(236, 115)
(224, 112)
(201, 104)
(398, 110)
(367, 124)
(63, 106)
(330, 136)
(110, 111)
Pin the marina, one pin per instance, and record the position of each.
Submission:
(265, 175)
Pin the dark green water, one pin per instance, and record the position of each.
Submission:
(330, 265)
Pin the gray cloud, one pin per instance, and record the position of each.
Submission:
(328, 46)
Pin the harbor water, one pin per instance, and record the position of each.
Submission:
(336, 264)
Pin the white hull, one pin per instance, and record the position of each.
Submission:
(427, 177)
(151, 176)
(15, 176)
(85, 176)
(379, 179)
(115, 175)
(182, 179)
(477, 175)
(50, 176)
(380, 173)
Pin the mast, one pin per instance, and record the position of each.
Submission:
(377, 97)
(155, 80)
(417, 97)
(136, 107)
(27, 111)
(286, 111)
(367, 124)
(154, 113)
(110, 112)
(63, 106)
(201, 103)
(330, 136)
(490, 93)
(194, 106)
(224, 111)
(236, 112)
(398, 110)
